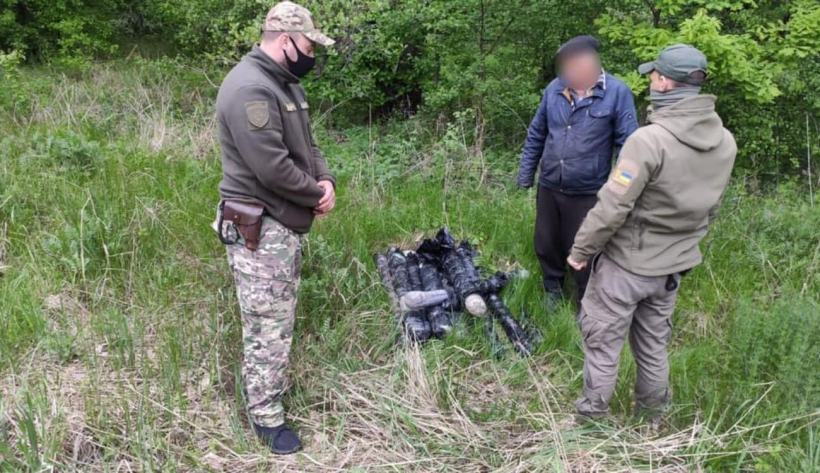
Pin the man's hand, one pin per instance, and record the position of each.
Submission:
(328, 201)
(577, 266)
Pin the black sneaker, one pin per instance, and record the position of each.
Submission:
(281, 440)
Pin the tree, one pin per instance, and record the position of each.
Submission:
(763, 58)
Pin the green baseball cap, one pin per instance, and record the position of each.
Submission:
(678, 62)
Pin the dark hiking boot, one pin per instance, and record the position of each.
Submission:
(656, 424)
(654, 419)
(281, 440)
(555, 293)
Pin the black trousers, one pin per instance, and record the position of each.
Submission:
(558, 218)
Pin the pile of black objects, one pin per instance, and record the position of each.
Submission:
(430, 288)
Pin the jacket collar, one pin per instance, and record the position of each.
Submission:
(688, 107)
(602, 80)
(270, 67)
(598, 90)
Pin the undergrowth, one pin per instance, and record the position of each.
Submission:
(120, 343)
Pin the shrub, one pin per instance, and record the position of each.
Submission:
(67, 28)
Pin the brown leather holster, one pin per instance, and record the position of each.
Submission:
(247, 218)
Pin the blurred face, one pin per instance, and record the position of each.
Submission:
(581, 71)
(659, 83)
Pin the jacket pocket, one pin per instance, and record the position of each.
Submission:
(274, 260)
(597, 333)
(580, 173)
(633, 225)
(598, 136)
(297, 137)
(600, 112)
(601, 115)
(641, 233)
(596, 260)
(551, 170)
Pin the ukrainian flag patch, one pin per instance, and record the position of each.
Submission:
(620, 181)
(623, 177)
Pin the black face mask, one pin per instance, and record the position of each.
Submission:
(303, 63)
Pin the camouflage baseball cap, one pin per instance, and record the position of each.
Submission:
(678, 62)
(288, 17)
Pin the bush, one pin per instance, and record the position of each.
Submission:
(65, 152)
(11, 97)
(59, 28)
(770, 358)
(440, 57)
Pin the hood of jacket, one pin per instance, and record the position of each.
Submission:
(693, 121)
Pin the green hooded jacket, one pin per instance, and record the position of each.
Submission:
(269, 156)
(664, 193)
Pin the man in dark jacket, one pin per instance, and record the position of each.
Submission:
(584, 118)
(274, 182)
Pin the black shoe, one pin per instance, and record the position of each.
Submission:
(281, 440)
(554, 287)
(555, 293)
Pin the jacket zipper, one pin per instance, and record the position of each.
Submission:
(306, 126)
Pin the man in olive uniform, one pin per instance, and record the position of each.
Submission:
(650, 217)
(275, 181)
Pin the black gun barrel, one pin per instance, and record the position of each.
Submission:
(494, 284)
(439, 317)
(511, 327)
(415, 324)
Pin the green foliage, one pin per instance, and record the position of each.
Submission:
(777, 345)
(439, 57)
(763, 61)
(59, 28)
(64, 152)
(734, 59)
(12, 96)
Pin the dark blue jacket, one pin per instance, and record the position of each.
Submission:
(575, 144)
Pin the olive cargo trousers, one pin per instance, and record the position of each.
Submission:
(620, 304)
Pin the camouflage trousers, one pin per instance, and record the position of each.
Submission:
(267, 281)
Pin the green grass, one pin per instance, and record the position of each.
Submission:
(119, 334)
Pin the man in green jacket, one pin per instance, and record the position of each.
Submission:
(644, 231)
(275, 181)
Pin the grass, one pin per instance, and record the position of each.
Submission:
(119, 334)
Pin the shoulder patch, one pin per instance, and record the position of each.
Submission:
(258, 114)
(622, 177)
